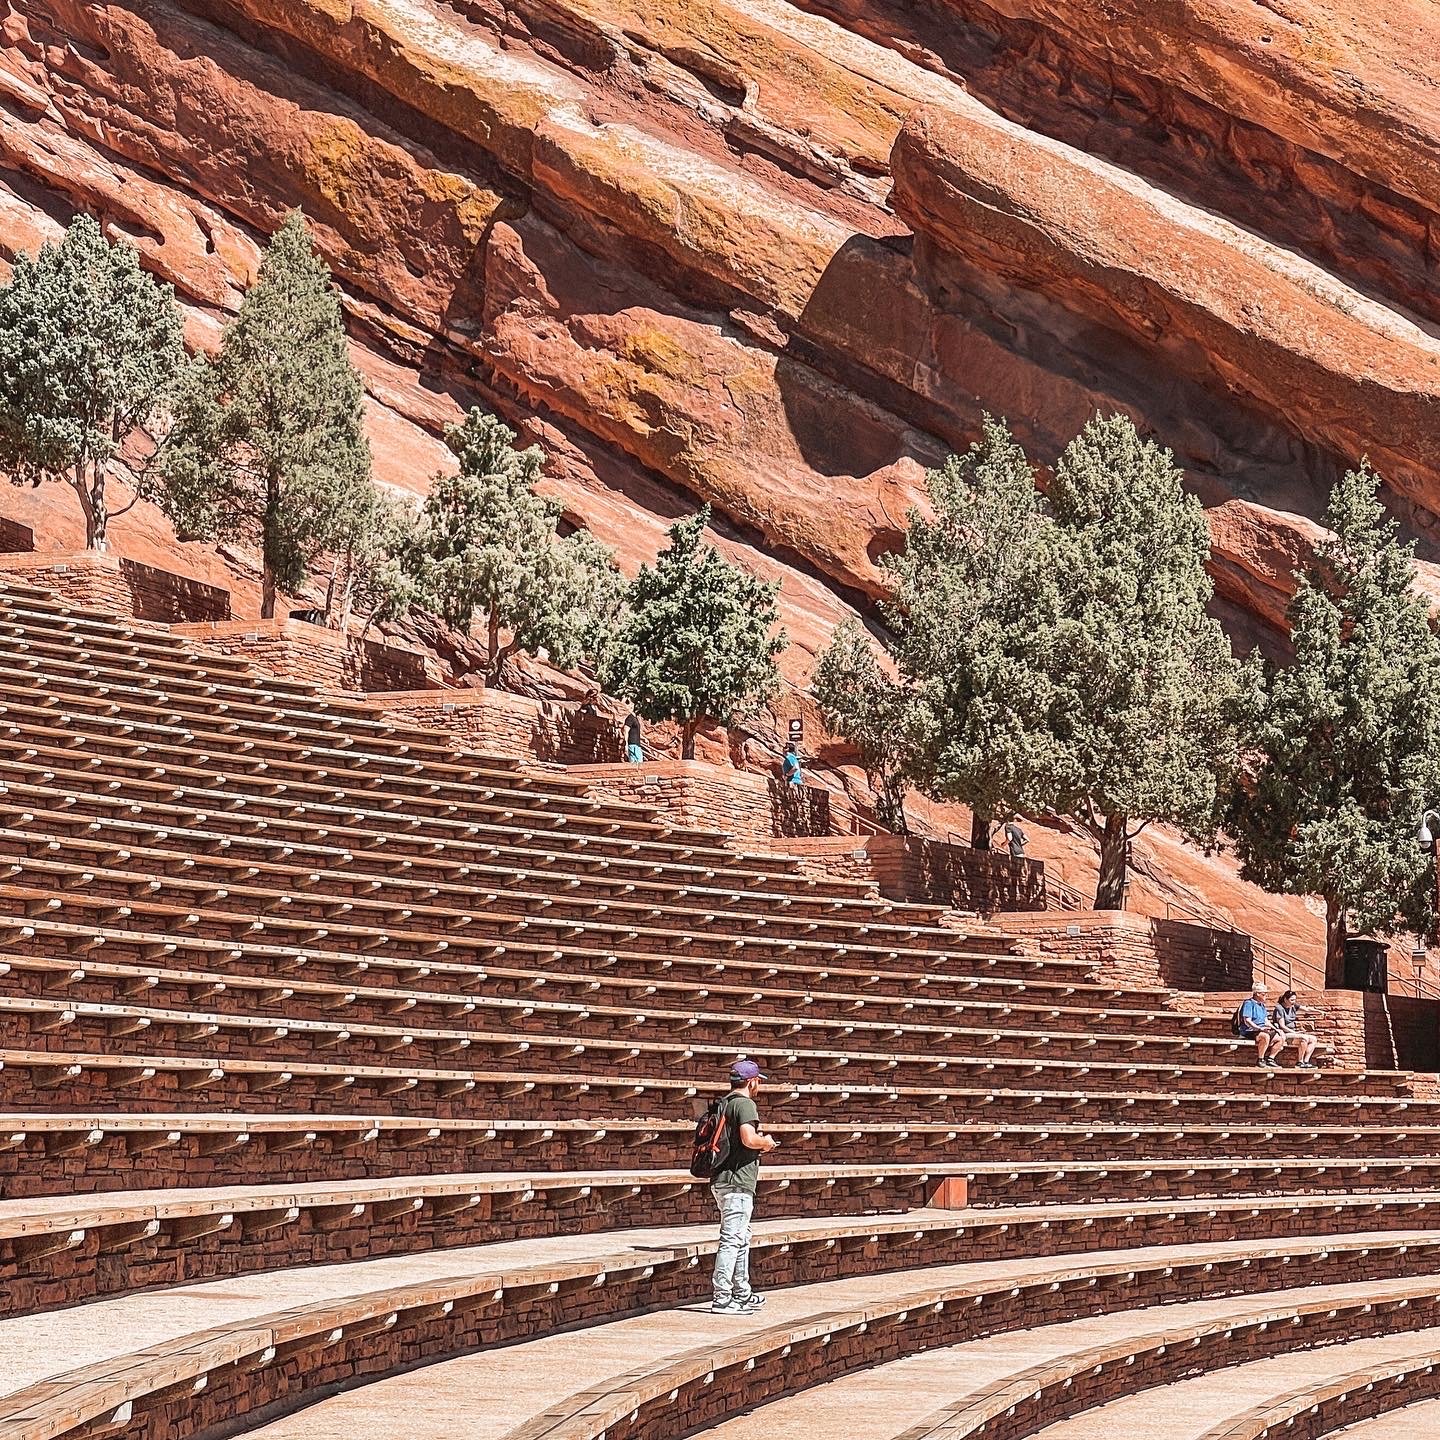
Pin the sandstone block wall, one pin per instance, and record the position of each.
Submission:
(519, 727)
(316, 656)
(15, 538)
(915, 867)
(751, 807)
(123, 588)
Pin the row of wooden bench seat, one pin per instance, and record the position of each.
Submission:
(107, 673)
(1340, 1404)
(181, 1234)
(217, 749)
(72, 782)
(78, 681)
(1092, 1380)
(736, 1375)
(443, 996)
(25, 837)
(196, 1379)
(38, 817)
(48, 1024)
(263, 809)
(236, 914)
(564, 1034)
(143, 1081)
(537, 967)
(46, 1154)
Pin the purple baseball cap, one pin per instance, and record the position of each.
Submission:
(746, 1070)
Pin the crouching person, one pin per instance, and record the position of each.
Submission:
(733, 1185)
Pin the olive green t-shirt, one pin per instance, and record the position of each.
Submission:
(742, 1165)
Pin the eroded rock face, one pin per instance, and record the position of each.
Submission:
(781, 256)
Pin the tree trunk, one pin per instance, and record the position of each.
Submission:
(268, 525)
(979, 830)
(492, 642)
(687, 739)
(1114, 862)
(91, 493)
(1334, 944)
(330, 587)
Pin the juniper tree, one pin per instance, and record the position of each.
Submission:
(90, 348)
(269, 444)
(1149, 701)
(1348, 748)
(699, 640)
(371, 570)
(875, 713)
(488, 549)
(974, 607)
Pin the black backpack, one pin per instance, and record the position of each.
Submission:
(1236, 1027)
(712, 1141)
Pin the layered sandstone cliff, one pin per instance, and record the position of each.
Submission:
(780, 256)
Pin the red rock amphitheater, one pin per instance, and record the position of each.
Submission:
(348, 1075)
(349, 1061)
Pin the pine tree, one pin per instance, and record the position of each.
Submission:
(974, 607)
(1348, 752)
(269, 445)
(90, 349)
(1149, 700)
(698, 641)
(862, 704)
(488, 548)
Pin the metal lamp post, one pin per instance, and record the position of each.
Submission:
(1428, 834)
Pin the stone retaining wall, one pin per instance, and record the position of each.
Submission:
(518, 727)
(15, 538)
(1140, 949)
(692, 794)
(124, 589)
(314, 655)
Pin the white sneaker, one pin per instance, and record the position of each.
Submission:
(729, 1307)
(751, 1303)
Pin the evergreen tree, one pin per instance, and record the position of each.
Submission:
(1348, 752)
(488, 548)
(699, 638)
(371, 570)
(269, 444)
(876, 714)
(1149, 700)
(90, 349)
(975, 604)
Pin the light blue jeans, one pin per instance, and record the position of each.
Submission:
(732, 1258)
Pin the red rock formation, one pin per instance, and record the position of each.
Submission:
(659, 236)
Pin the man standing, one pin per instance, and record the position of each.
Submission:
(1015, 838)
(634, 755)
(733, 1186)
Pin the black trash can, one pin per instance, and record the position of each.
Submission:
(1367, 965)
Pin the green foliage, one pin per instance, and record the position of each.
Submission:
(975, 604)
(1150, 702)
(699, 638)
(372, 574)
(269, 445)
(488, 548)
(1348, 748)
(1056, 649)
(90, 349)
(862, 704)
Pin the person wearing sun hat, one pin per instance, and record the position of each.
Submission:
(733, 1185)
